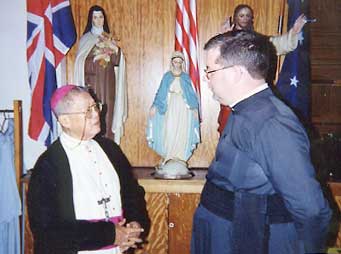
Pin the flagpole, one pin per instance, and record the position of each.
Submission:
(280, 31)
(281, 17)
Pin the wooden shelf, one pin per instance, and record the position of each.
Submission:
(150, 184)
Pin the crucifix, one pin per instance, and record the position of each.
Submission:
(104, 201)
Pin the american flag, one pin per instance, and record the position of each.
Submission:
(50, 35)
(186, 39)
(294, 79)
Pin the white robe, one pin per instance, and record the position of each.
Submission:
(177, 123)
(93, 178)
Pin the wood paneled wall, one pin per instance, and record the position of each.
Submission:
(326, 107)
(145, 29)
(326, 39)
(325, 55)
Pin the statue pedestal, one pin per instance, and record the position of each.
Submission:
(173, 169)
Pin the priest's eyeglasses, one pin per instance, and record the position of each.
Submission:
(207, 72)
(96, 107)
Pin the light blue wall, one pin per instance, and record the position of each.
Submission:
(13, 69)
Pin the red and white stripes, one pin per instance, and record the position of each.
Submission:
(186, 39)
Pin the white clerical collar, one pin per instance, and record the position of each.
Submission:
(249, 94)
(96, 30)
(72, 142)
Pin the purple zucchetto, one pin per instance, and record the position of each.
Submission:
(59, 94)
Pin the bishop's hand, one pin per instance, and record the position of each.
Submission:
(127, 236)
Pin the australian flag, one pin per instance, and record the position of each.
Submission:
(294, 78)
(50, 35)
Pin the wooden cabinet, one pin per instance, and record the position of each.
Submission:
(335, 188)
(180, 215)
(171, 205)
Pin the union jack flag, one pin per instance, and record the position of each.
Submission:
(50, 35)
(186, 39)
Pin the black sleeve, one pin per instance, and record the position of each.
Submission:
(54, 232)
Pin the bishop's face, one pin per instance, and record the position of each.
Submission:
(97, 19)
(82, 120)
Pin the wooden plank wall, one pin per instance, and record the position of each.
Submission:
(326, 39)
(325, 52)
(326, 107)
(145, 29)
(336, 191)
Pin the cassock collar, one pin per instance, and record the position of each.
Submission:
(72, 142)
(253, 92)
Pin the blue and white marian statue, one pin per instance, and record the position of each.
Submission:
(173, 125)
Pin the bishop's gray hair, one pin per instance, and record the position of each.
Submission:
(66, 103)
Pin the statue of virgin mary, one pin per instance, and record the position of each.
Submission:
(173, 125)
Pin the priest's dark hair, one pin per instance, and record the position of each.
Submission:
(245, 48)
(89, 23)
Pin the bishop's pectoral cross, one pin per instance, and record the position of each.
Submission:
(104, 202)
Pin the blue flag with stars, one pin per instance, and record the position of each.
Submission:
(294, 79)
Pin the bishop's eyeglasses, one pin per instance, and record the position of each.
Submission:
(96, 107)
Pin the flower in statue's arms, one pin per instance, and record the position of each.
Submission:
(104, 48)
